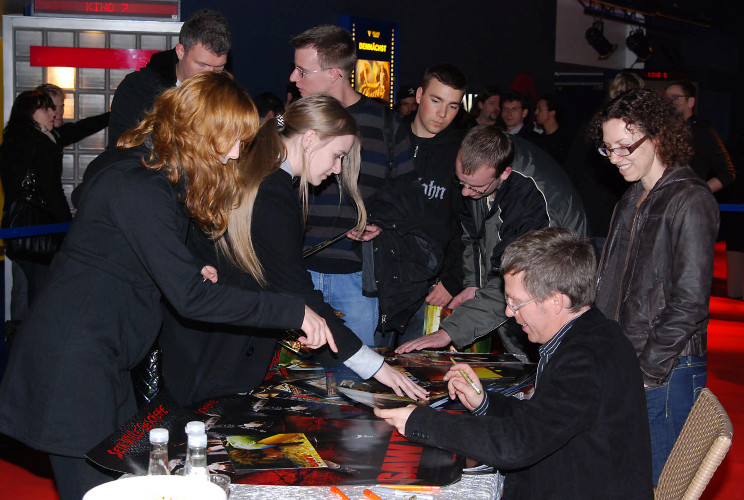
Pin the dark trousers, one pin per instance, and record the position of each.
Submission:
(75, 476)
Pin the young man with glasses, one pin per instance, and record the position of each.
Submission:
(510, 187)
(584, 433)
(324, 59)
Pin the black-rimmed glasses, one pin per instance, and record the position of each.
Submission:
(477, 191)
(622, 150)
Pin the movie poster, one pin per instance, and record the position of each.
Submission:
(282, 441)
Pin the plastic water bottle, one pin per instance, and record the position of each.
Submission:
(196, 465)
(158, 465)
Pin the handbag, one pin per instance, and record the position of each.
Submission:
(30, 209)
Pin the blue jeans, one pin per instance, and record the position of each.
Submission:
(343, 292)
(669, 405)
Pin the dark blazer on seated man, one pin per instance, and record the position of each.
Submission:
(584, 433)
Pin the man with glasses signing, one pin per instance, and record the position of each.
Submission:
(584, 433)
(510, 187)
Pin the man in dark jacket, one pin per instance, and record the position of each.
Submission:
(584, 433)
(510, 187)
(434, 142)
(711, 160)
(203, 44)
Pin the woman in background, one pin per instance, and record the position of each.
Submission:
(28, 143)
(656, 269)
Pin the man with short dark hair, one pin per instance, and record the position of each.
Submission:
(510, 187)
(405, 103)
(434, 141)
(555, 139)
(486, 108)
(324, 59)
(584, 433)
(514, 112)
(203, 44)
(711, 161)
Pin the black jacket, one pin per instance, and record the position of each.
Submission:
(422, 201)
(711, 159)
(67, 385)
(202, 360)
(657, 268)
(583, 435)
(44, 156)
(72, 132)
(136, 94)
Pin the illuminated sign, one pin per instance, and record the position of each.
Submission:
(376, 68)
(139, 9)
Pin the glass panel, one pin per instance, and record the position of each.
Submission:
(173, 41)
(123, 41)
(83, 161)
(153, 42)
(92, 78)
(69, 107)
(60, 38)
(116, 76)
(68, 167)
(61, 77)
(24, 39)
(95, 141)
(27, 76)
(91, 105)
(96, 39)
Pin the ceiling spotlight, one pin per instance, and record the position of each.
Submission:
(596, 38)
(638, 44)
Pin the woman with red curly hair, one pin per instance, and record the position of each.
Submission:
(657, 264)
(67, 385)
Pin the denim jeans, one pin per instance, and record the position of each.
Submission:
(669, 405)
(343, 292)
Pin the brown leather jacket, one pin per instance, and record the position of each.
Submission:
(656, 270)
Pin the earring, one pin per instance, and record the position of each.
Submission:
(305, 148)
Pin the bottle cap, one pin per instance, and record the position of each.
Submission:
(195, 427)
(198, 440)
(159, 435)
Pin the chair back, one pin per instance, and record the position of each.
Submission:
(698, 451)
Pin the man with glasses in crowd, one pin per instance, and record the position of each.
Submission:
(711, 160)
(324, 59)
(510, 187)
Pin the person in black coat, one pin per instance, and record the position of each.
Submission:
(28, 143)
(203, 44)
(313, 140)
(67, 385)
(584, 432)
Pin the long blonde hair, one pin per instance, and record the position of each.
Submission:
(320, 113)
(192, 127)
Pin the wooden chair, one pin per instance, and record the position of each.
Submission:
(698, 451)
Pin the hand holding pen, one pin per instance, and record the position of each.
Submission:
(463, 383)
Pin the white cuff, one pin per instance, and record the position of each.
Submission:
(365, 362)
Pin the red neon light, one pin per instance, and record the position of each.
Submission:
(78, 57)
(159, 9)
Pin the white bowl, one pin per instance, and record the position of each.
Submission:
(157, 488)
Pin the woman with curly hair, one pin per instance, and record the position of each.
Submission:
(67, 384)
(657, 264)
(314, 139)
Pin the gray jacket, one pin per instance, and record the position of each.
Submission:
(537, 194)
